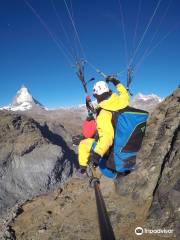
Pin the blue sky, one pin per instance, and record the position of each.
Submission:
(29, 55)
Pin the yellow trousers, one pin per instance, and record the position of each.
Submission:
(84, 149)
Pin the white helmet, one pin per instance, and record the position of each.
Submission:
(100, 88)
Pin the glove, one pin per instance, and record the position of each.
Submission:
(77, 139)
(89, 105)
(94, 159)
(113, 80)
(90, 116)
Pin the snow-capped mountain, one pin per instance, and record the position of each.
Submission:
(23, 101)
(146, 102)
(141, 101)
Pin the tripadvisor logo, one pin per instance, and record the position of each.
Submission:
(139, 231)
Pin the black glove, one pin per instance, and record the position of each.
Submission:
(90, 116)
(113, 80)
(94, 159)
(77, 139)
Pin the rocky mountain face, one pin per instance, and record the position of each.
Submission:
(33, 159)
(153, 190)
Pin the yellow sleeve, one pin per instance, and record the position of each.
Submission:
(123, 93)
(105, 132)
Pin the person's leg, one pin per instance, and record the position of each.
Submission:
(84, 151)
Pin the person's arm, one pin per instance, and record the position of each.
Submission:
(122, 92)
(105, 132)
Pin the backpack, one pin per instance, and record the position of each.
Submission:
(129, 129)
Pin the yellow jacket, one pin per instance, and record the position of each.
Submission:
(104, 125)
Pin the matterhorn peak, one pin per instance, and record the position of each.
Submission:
(22, 96)
(23, 101)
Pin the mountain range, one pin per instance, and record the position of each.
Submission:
(24, 101)
(69, 117)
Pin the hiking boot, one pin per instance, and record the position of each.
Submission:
(81, 173)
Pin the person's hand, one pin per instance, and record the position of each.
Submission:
(90, 117)
(77, 139)
(94, 159)
(112, 80)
